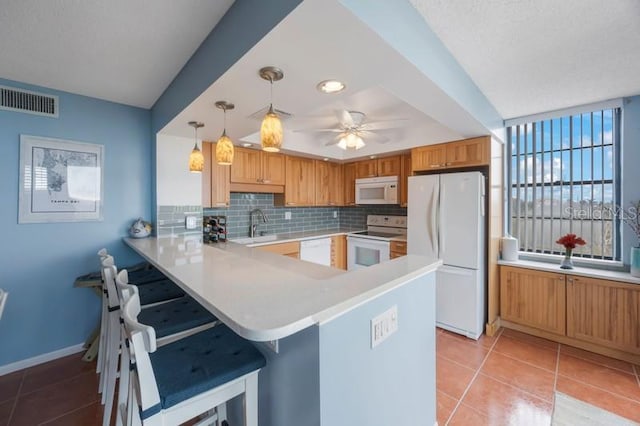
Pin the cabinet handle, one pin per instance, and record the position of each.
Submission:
(434, 165)
(266, 181)
(448, 164)
(222, 204)
(289, 203)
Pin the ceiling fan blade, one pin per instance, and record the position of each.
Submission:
(373, 137)
(345, 118)
(385, 124)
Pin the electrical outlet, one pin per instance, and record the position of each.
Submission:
(287, 215)
(335, 214)
(384, 325)
(190, 222)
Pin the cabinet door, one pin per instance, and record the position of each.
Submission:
(339, 251)
(336, 185)
(273, 168)
(405, 172)
(431, 157)
(291, 248)
(323, 183)
(299, 189)
(389, 166)
(468, 152)
(349, 171)
(604, 312)
(215, 179)
(367, 168)
(533, 298)
(247, 166)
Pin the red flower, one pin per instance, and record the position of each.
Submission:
(570, 241)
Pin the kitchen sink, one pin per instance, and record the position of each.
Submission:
(254, 240)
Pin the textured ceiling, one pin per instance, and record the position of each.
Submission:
(118, 50)
(530, 56)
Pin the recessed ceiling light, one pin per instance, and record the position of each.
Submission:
(247, 145)
(331, 86)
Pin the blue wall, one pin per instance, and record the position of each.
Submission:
(39, 262)
(630, 160)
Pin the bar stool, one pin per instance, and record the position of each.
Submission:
(176, 382)
(173, 320)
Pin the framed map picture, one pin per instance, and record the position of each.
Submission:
(60, 181)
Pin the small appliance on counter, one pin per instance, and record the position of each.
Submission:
(214, 229)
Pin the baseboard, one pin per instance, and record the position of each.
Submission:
(40, 359)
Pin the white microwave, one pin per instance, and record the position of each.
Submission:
(377, 190)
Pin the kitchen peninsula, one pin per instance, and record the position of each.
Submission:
(315, 325)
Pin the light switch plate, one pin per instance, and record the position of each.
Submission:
(384, 325)
(287, 215)
(190, 222)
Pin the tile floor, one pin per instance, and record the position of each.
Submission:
(509, 379)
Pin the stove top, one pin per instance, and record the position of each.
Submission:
(383, 227)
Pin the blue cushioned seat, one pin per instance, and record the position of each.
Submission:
(145, 276)
(201, 362)
(159, 291)
(175, 316)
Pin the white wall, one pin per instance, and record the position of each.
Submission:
(175, 184)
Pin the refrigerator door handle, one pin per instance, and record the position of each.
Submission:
(441, 223)
(432, 220)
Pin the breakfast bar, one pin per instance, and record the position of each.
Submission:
(342, 348)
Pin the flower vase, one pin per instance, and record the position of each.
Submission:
(635, 261)
(566, 262)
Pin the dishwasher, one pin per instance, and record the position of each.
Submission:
(316, 251)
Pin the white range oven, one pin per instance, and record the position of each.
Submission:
(371, 247)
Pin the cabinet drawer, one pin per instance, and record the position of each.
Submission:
(398, 247)
(291, 248)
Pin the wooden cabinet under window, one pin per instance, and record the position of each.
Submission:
(349, 171)
(329, 184)
(290, 248)
(299, 188)
(464, 153)
(397, 249)
(339, 251)
(215, 179)
(258, 171)
(533, 298)
(604, 312)
(387, 166)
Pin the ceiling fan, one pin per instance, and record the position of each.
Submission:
(353, 127)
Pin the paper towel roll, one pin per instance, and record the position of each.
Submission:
(509, 248)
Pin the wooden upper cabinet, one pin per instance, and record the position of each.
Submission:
(469, 152)
(329, 184)
(430, 157)
(405, 172)
(299, 188)
(387, 166)
(533, 298)
(215, 179)
(604, 312)
(349, 172)
(257, 167)
(464, 153)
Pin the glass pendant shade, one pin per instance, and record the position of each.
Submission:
(196, 160)
(271, 132)
(224, 150)
(351, 141)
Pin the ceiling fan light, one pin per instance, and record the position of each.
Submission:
(351, 141)
(331, 86)
(271, 132)
(224, 150)
(196, 160)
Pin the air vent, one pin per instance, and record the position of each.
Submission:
(19, 100)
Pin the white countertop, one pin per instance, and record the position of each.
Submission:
(295, 236)
(578, 270)
(264, 296)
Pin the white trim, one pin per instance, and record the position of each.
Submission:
(40, 359)
(610, 104)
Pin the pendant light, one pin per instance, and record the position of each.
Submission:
(271, 129)
(224, 146)
(196, 159)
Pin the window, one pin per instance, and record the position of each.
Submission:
(564, 178)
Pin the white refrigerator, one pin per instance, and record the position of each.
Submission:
(446, 221)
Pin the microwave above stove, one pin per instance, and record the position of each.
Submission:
(377, 190)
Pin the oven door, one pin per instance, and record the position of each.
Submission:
(364, 252)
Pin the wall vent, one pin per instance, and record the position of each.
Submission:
(19, 100)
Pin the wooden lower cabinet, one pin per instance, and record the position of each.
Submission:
(290, 248)
(604, 312)
(533, 298)
(339, 251)
(397, 249)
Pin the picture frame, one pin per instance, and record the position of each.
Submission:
(60, 180)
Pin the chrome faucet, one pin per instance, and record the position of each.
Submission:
(254, 226)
